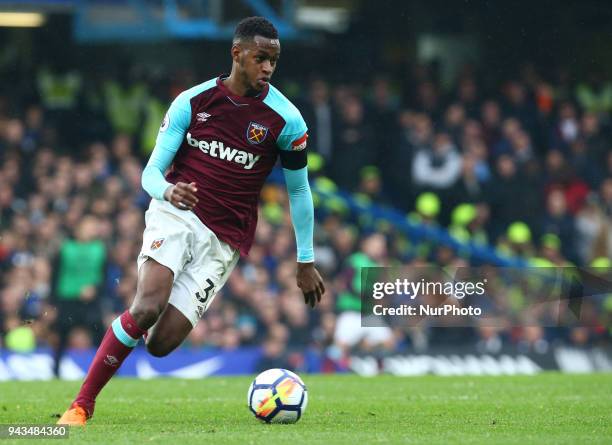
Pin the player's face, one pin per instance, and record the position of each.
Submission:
(257, 62)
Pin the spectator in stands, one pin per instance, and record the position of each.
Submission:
(559, 222)
(349, 332)
(605, 194)
(297, 321)
(522, 151)
(414, 132)
(354, 146)
(592, 229)
(597, 145)
(382, 110)
(586, 163)
(437, 168)
(491, 119)
(603, 243)
(274, 356)
(519, 106)
(595, 95)
(518, 241)
(468, 96)
(59, 88)
(550, 250)
(560, 175)
(567, 127)
(428, 99)
(319, 112)
(454, 122)
(80, 275)
(370, 188)
(508, 185)
(125, 96)
(471, 185)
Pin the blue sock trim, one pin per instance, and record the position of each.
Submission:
(121, 335)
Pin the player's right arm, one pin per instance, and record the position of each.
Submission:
(171, 134)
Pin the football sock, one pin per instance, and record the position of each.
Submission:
(118, 342)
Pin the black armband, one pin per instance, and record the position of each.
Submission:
(293, 160)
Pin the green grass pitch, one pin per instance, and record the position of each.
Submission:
(343, 409)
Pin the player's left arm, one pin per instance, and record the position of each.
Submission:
(293, 159)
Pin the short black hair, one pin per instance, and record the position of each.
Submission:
(255, 26)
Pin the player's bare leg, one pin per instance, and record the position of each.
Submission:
(169, 332)
(152, 294)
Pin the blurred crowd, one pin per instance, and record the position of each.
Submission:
(530, 157)
(523, 167)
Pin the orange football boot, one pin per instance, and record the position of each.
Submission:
(74, 416)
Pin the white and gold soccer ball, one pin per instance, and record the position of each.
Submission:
(277, 396)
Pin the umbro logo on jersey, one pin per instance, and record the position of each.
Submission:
(216, 149)
(200, 311)
(202, 117)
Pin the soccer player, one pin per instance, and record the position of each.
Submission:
(221, 139)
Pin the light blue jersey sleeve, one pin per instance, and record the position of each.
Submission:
(292, 143)
(302, 212)
(295, 127)
(293, 131)
(169, 138)
(171, 134)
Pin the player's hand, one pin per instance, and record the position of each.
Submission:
(182, 195)
(310, 282)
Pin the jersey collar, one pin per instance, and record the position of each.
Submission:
(240, 100)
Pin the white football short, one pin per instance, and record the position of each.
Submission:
(200, 262)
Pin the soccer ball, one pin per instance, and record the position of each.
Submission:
(277, 396)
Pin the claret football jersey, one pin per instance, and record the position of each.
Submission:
(228, 145)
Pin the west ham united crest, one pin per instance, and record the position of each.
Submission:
(256, 133)
(156, 244)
